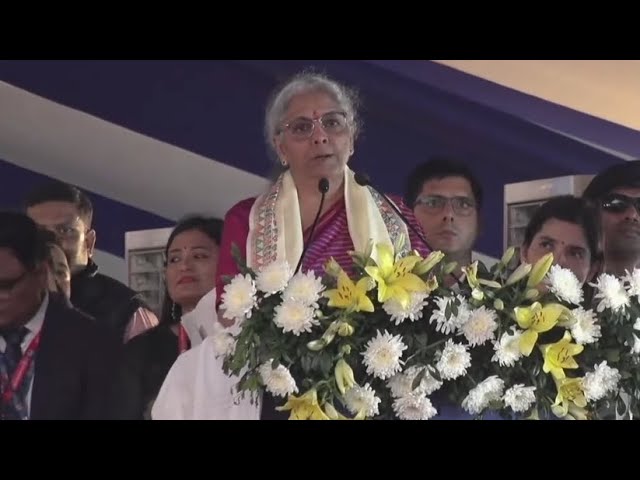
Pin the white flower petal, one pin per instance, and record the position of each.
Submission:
(278, 381)
(295, 317)
(359, 399)
(382, 355)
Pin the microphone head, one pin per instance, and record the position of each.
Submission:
(323, 185)
(361, 179)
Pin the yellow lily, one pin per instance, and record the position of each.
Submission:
(507, 256)
(539, 270)
(559, 355)
(332, 268)
(577, 413)
(569, 392)
(534, 320)
(428, 263)
(333, 414)
(432, 284)
(349, 295)
(471, 274)
(518, 274)
(344, 376)
(345, 329)
(394, 279)
(305, 407)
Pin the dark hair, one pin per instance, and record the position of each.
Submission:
(568, 209)
(21, 235)
(212, 228)
(62, 192)
(624, 174)
(439, 167)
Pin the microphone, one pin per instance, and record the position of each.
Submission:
(363, 180)
(323, 188)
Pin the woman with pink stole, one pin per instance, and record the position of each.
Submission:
(311, 125)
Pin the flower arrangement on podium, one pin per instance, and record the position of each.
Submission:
(394, 338)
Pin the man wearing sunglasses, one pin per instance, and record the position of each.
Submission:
(616, 191)
(446, 198)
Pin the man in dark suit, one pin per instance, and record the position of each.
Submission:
(55, 362)
(68, 213)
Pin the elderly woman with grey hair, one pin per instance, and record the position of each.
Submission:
(315, 205)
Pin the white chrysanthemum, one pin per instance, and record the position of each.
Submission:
(359, 399)
(414, 406)
(278, 380)
(304, 288)
(611, 293)
(382, 355)
(480, 327)
(601, 381)
(479, 398)
(507, 349)
(413, 312)
(454, 322)
(401, 383)
(223, 342)
(585, 329)
(294, 317)
(564, 284)
(520, 398)
(633, 280)
(239, 297)
(274, 277)
(454, 361)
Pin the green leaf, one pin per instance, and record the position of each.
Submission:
(435, 374)
(612, 355)
(416, 381)
(305, 362)
(422, 339)
(447, 310)
(326, 364)
(621, 408)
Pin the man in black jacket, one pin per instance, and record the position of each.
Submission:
(616, 192)
(56, 363)
(68, 212)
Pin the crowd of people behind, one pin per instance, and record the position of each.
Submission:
(77, 344)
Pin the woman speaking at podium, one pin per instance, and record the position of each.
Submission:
(315, 209)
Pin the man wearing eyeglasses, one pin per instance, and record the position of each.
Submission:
(56, 363)
(616, 191)
(68, 213)
(446, 198)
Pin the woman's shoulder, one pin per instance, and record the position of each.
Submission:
(242, 208)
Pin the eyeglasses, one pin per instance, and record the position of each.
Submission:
(463, 206)
(333, 123)
(618, 203)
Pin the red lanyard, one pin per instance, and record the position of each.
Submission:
(20, 372)
(183, 340)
